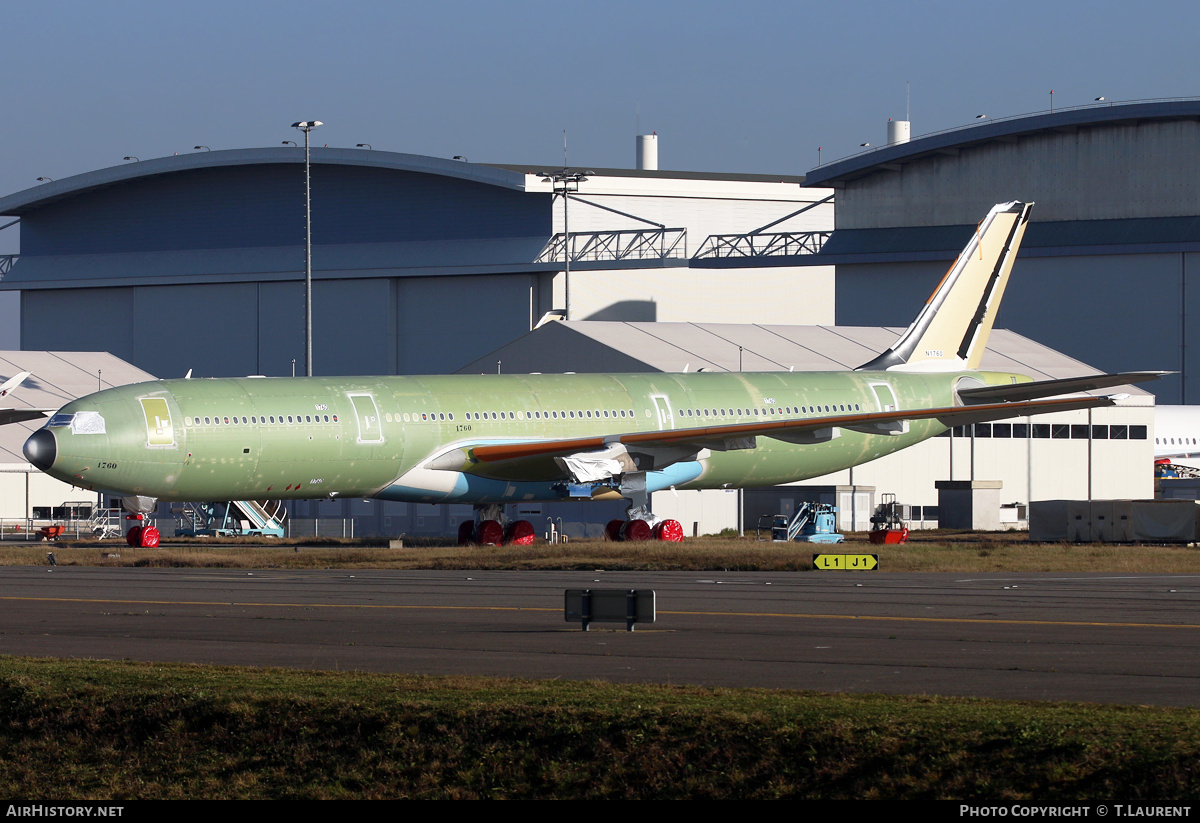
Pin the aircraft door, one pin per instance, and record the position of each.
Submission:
(367, 415)
(884, 397)
(159, 431)
(662, 407)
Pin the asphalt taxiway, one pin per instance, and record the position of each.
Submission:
(1131, 639)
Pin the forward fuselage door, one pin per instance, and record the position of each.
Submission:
(159, 431)
(366, 412)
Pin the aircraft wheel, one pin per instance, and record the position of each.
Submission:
(490, 533)
(149, 538)
(613, 530)
(466, 532)
(669, 531)
(134, 537)
(636, 530)
(521, 533)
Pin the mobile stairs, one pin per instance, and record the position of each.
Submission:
(104, 523)
(811, 523)
(236, 518)
(1164, 469)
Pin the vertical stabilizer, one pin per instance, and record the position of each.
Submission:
(952, 329)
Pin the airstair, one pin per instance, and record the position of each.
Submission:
(104, 523)
(81, 517)
(811, 523)
(1165, 469)
(236, 518)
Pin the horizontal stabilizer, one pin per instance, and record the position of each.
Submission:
(965, 415)
(1053, 388)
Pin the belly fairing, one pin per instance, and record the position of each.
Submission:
(428, 486)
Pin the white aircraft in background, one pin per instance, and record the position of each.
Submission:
(1177, 433)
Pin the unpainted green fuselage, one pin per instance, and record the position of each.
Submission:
(259, 438)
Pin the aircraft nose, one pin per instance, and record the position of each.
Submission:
(41, 449)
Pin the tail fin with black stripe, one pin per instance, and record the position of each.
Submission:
(952, 329)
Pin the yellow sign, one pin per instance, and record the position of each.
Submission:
(846, 562)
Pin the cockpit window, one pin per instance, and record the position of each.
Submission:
(61, 420)
(87, 422)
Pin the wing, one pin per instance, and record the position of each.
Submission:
(604, 456)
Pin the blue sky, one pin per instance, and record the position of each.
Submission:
(747, 87)
(755, 87)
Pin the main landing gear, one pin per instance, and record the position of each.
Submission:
(640, 523)
(637, 529)
(491, 528)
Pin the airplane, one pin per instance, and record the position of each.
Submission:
(12, 415)
(496, 439)
(1176, 432)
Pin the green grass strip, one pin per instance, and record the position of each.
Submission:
(88, 730)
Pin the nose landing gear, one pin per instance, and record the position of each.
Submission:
(139, 536)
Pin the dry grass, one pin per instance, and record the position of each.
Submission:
(938, 551)
(95, 731)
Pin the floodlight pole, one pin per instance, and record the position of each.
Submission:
(565, 182)
(306, 126)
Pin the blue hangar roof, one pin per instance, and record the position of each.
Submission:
(239, 215)
(23, 202)
(887, 158)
